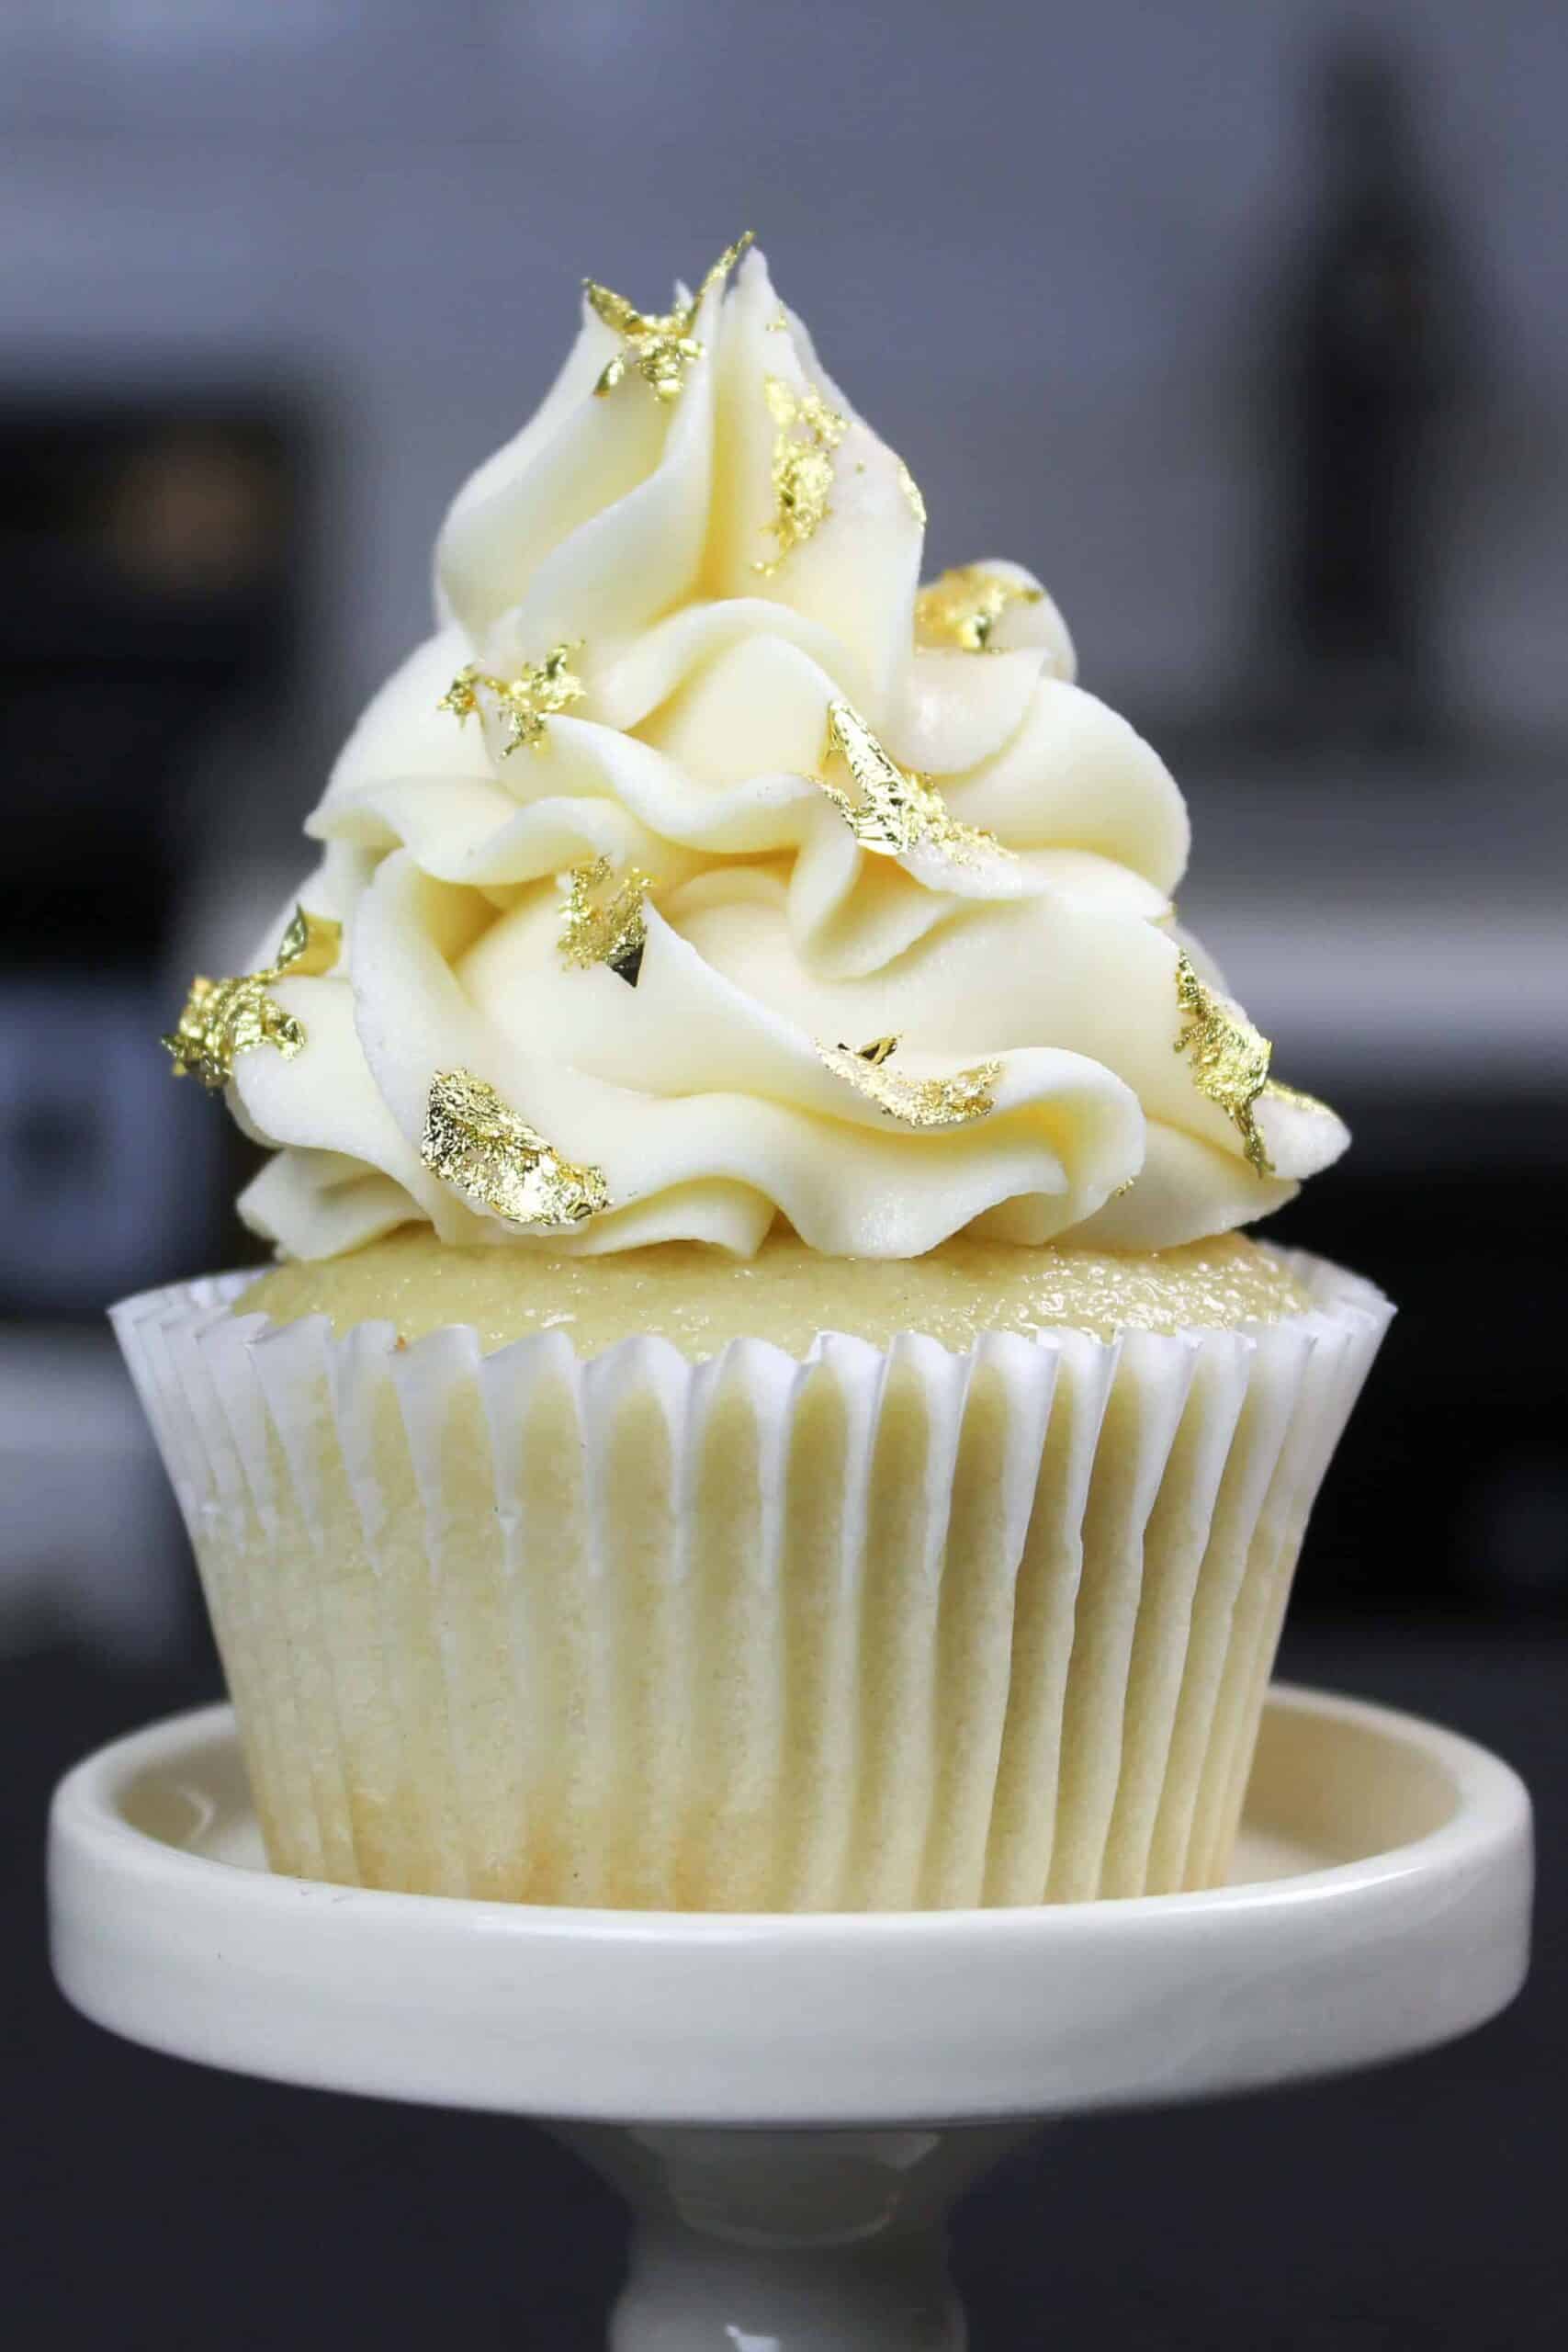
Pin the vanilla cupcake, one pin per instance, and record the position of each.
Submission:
(767, 1405)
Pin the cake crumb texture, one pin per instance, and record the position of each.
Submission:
(700, 1298)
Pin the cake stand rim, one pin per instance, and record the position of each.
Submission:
(1489, 1787)
(242, 1944)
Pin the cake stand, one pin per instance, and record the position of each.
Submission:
(791, 2104)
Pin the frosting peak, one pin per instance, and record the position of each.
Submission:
(693, 792)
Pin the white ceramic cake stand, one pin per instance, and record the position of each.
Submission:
(791, 2104)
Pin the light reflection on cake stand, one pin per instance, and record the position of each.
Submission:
(791, 2105)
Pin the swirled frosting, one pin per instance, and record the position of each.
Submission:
(716, 875)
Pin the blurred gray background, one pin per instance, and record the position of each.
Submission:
(1043, 247)
(1244, 325)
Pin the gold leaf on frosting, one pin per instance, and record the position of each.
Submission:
(522, 704)
(476, 1143)
(912, 490)
(897, 811)
(223, 1018)
(1277, 1092)
(596, 930)
(951, 1102)
(964, 607)
(656, 346)
(808, 433)
(1230, 1058)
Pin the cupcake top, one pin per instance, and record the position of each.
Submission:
(699, 1300)
(704, 873)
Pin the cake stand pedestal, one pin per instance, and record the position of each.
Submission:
(792, 2104)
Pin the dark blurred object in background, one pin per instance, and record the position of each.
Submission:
(146, 582)
(152, 556)
(150, 566)
(1377, 345)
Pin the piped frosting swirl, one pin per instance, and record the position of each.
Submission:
(823, 805)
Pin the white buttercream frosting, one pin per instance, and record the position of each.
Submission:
(643, 532)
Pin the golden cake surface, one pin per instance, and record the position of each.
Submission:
(699, 1299)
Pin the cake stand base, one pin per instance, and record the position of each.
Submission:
(791, 2104)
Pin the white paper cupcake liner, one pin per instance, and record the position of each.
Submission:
(876, 1629)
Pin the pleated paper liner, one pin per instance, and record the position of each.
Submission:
(872, 1630)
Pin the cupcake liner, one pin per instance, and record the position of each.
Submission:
(873, 1629)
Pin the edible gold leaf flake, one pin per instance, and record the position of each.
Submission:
(612, 930)
(1277, 1091)
(522, 704)
(964, 607)
(657, 346)
(912, 490)
(897, 811)
(309, 946)
(1230, 1058)
(474, 1142)
(223, 1018)
(462, 697)
(918, 1101)
(808, 433)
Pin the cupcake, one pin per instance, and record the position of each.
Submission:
(765, 1403)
